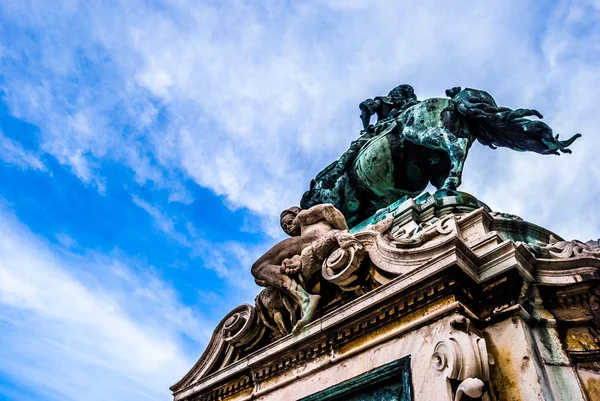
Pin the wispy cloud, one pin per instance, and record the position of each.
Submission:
(72, 334)
(230, 260)
(164, 223)
(250, 101)
(557, 192)
(12, 153)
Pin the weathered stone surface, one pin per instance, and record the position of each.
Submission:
(467, 304)
(320, 243)
(445, 282)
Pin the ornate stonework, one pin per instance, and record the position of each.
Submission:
(484, 304)
(463, 359)
(429, 298)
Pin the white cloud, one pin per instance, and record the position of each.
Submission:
(251, 101)
(164, 223)
(230, 260)
(557, 192)
(70, 333)
(255, 99)
(12, 153)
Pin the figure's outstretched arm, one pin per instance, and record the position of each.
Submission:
(325, 211)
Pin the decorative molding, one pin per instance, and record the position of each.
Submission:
(360, 326)
(342, 263)
(424, 232)
(411, 257)
(571, 249)
(240, 328)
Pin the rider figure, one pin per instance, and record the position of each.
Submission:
(329, 183)
(385, 107)
(399, 99)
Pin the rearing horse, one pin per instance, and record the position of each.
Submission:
(429, 142)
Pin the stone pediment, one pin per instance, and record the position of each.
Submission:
(447, 263)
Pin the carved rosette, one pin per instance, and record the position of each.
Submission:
(462, 357)
(242, 327)
(341, 265)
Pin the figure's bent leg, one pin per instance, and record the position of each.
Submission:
(308, 303)
(271, 275)
(278, 318)
(291, 310)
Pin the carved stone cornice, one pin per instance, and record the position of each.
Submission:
(411, 265)
(350, 322)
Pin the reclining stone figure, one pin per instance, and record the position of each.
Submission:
(314, 232)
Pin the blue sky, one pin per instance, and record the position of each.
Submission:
(147, 148)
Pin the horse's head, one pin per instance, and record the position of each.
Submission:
(501, 126)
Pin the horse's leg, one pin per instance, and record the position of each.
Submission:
(457, 149)
(439, 138)
(437, 181)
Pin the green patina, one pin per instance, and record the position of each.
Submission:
(416, 143)
(441, 200)
(391, 382)
(375, 166)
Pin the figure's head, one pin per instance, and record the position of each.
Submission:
(286, 220)
(403, 96)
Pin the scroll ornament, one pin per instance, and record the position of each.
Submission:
(341, 265)
(242, 327)
(462, 357)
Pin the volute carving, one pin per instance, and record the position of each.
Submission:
(341, 265)
(463, 360)
(240, 329)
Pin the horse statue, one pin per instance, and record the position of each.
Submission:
(426, 142)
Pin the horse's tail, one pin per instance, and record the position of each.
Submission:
(496, 126)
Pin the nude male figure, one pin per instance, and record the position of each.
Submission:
(275, 266)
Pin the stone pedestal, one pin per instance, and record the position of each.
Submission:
(451, 302)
